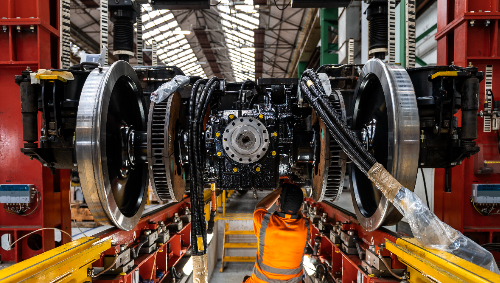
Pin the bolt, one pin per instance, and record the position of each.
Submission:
(217, 134)
(32, 28)
(487, 23)
(261, 116)
(4, 28)
(472, 22)
(219, 153)
(257, 169)
(18, 28)
(231, 116)
(235, 169)
(470, 65)
(275, 134)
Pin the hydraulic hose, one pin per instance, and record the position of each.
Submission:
(195, 222)
(135, 252)
(314, 93)
(335, 131)
(198, 107)
(426, 226)
(240, 94)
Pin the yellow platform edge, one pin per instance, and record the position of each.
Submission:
(61, 264)
(438, 265)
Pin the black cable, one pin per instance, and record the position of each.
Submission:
(198, 108)
(135, 252)
(240, 96)
(195, 223)
(215, 4)
(336, 131)
(281, 9)
(315, 94)
(240, 93)
(425, 187)
(390, 269)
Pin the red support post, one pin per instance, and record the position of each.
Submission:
(29, 38)
(468, 34)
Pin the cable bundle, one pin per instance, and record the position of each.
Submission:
(316, 96)
(198, 105)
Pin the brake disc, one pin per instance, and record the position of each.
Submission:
(110, 127)
(386, 120)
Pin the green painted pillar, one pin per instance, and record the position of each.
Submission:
(329, 21)
(402, 33)
(301, 68)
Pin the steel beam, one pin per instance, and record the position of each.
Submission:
(308, 40)
(329, 19)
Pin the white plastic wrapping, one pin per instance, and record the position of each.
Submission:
(168, 88)
(432, 232)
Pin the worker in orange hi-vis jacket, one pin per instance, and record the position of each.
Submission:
(282, 237)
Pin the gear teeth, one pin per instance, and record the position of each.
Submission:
(337, 167)
(162, 178)
(159, 176)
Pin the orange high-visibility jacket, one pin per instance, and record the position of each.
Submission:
(282, 241)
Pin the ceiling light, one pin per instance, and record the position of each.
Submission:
(181, 32)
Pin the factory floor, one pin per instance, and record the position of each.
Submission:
(237, 205)
(241, 204)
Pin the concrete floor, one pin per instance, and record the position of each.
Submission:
(245, 203)
(234, 272)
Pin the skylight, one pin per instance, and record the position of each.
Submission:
(238, 23)
(160, 26)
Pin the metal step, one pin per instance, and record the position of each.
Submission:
(239, 259)
(240, 245)
(239, 232)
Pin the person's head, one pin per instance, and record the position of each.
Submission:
(290, 199)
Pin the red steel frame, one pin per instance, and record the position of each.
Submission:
(160, 260)
(36, 46)
(346, 266)
(460, 42)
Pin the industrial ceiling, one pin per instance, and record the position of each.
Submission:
(235, 40)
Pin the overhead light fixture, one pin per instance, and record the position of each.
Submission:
(181, 32)
(200, 63)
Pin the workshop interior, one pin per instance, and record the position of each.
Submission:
(137, 137)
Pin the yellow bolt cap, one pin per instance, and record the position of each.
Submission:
(273, 153)
(235, 169)
(257, 169)
(219, 153)
(217, 134)
(261, 116)
(122, 273)
(231, 116)
(275, 134)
